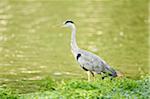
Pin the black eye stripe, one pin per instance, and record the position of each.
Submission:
(69, 22)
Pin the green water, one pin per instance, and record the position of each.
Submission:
(34, 45)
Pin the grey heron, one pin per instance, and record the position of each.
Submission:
(87, 60)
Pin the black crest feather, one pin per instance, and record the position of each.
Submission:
(69, 22)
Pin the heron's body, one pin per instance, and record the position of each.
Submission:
(87, 60)
(90, 61)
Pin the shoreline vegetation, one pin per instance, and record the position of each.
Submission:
(81, 89)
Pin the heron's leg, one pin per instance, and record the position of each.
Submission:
(88, 73)
(93, 74)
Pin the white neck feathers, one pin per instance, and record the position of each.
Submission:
(74, 46)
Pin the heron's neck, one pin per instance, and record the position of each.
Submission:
(74, 46)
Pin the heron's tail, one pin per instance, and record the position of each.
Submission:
(110, 71)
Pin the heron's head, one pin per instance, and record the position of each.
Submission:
(69, 24)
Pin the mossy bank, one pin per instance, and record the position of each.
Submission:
(119, 88)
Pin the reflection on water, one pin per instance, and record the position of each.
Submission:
(33, 44)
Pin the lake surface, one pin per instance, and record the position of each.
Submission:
(34, 45)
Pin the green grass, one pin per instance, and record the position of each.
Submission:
(119, 88)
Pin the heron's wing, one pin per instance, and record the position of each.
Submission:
(90, 61)
(93, 62)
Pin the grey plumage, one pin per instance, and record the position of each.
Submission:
(87, 60)
(94, 63)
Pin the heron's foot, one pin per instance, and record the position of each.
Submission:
(103, 77)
